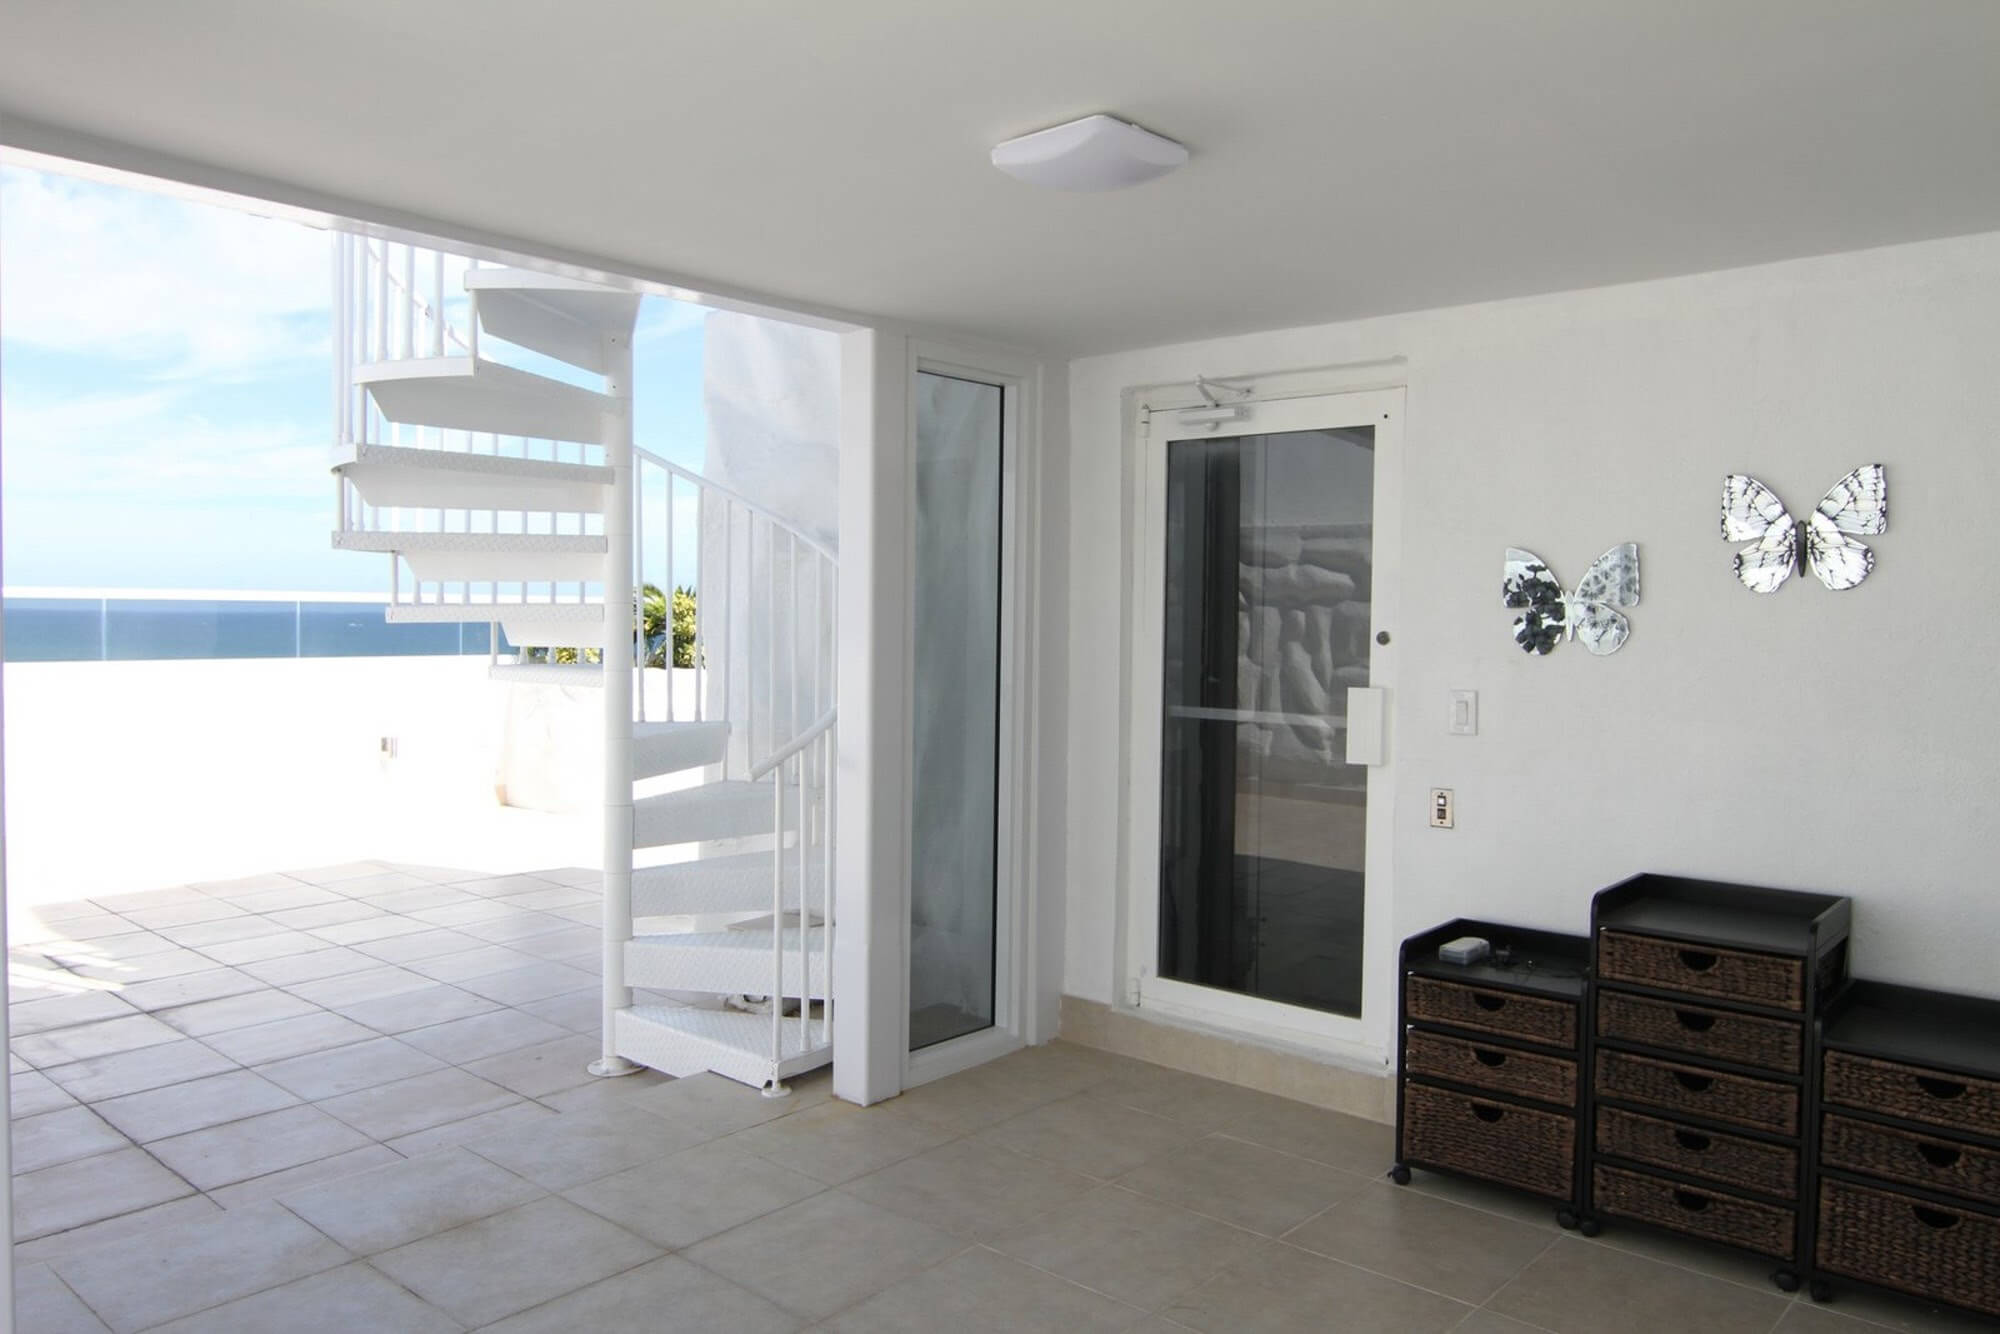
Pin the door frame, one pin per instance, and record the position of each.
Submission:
(1362, 1041)
(1013, 921)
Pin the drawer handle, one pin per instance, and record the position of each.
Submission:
(1490, 1115)
(1934, 1218)
(1942, 1089)
(1494, 1059)
(1693, 1083)
(1938, 1155)
(1694, 1021)
(1690, 1201)
(1489, 1003)
(1697, 961)
(1692, 1142)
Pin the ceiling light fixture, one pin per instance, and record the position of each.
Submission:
(1095, 153)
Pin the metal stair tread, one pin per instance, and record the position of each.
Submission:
(753, 940)
(738, 882)
(670, 747)
(544, 543)
(564, 318)
(581, 675)
(396, 476)
(566, 613)
(684, 1040)
(475, 394)
(731, 809)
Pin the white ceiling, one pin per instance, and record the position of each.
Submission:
(1351, 157)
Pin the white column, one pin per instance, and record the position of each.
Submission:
(619, 627)
(871, 896)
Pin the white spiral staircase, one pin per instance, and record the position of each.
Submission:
(514, 499)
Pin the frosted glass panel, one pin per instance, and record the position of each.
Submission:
(956, 699)
(1269, 571)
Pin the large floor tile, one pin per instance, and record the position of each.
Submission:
(338, 1070)
(971, 1189)
(1245, 1184)
(1279, 1288)
(90, 1236)
(1459, 1252)
(974, 1100)
(494, 1267)
(548, 1067)
(311, 966)
(836, 1141)
(283, 943)
(1366, 1148)
(1210, 1104)
(200, 935)
(1881, 1309)
(271, 1185)
(431, 943)
(90, 1190)
(320, 915)
(1142, 1251)
(277, 897)
(264, 1005)
(368, 928)
(602, 1095)
(982, 1290)
(406, 1201)
(261, 1044)
(82, 1042)
(461, 1041)
(579, 1011)
(43, 1304)
(664, 1296)
(193, 1105)
(32, 1093)
(694, 1194)
(538, 981)
(345, 988)
(197, 908)
(166, 993)
(348, 1300)
(836, 1250)
(80, 1007)
(577, 1147)
(516, 925)
(434, 1004)
(1091, 1136)
(1574, 1283)
(481, 961)
(409, 1105)
(256, 1146)
(159, 1276)
(1492, 1322)
(62, 1136)
(472, 1128)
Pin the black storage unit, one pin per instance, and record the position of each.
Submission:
(1907, 1191)
(1491, 1060)
(1704, 1090)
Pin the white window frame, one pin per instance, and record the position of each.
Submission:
(1363, 1042)
(1014, 936)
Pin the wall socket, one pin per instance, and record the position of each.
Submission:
(1443, 808)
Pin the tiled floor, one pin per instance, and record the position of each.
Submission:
(353, 1099)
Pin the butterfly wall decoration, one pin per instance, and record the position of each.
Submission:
(1590, 615)
(1857, 506)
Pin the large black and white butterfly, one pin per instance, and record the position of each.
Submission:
(1858, 505)
(1549, 615)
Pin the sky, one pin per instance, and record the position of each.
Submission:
(166, 393)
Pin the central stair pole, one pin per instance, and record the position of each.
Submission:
(620, 620)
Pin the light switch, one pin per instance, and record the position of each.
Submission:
(1464, 717)
(1442, 812)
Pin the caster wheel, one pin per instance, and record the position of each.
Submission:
(1590, 1227)
(1786, 1280)
(1567, 1220)
(1820, 1290)
(1400, 1175)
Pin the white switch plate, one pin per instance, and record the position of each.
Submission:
(1463, 719)
(1444, 808)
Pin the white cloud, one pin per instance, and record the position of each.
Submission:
(192, 289)
(663, 317)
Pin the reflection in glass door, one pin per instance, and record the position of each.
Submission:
(1269, 557)
(956, 708)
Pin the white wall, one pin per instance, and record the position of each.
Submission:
(1807, 739)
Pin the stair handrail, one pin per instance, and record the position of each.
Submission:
(794, 746)
(736, 497)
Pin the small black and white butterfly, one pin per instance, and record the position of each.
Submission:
(1549, 615)
(1858, 505)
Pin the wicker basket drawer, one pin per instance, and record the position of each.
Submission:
(1770, 1044)
(1895, 1153)
(1751, 1164)
(1517, 1146)
(1685, 1088)
(1547, 1078)
(1931, 1096)
(1715, 1215)
(1672, 965)
(1530, 1018)
(1950, 1255)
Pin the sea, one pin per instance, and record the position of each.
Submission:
(83, 626)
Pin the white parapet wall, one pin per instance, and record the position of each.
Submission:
(138, 775)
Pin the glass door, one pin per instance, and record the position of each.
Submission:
(955, 721)
(1266, 846)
